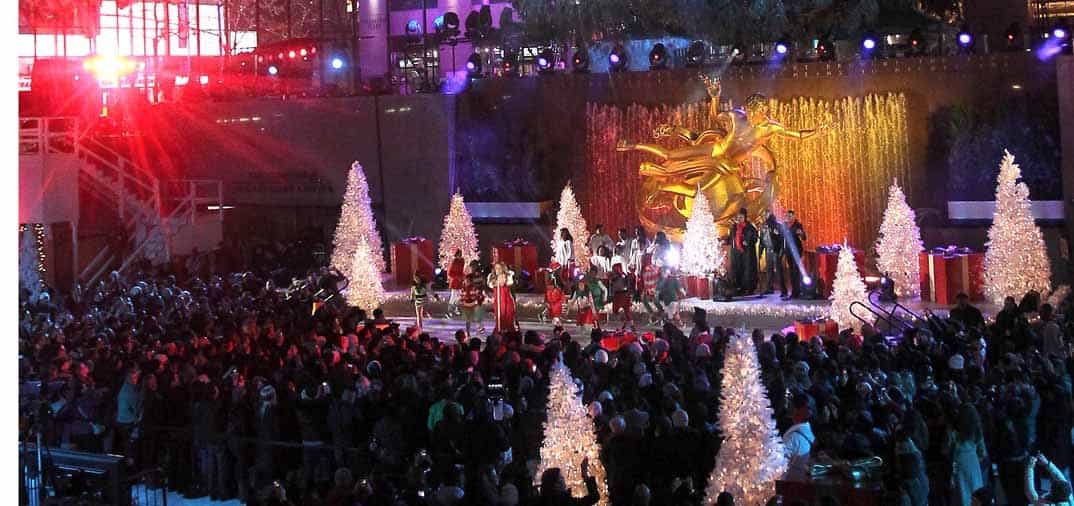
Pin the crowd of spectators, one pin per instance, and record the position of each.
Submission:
(239, 389)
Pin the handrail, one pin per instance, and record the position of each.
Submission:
(903, 323)
(879, 317)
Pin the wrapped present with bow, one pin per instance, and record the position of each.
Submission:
(948, 271)
(520, 256)
(698, 286)
(825, 261)
(413, 255)
(811, 327)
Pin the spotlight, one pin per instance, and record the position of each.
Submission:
(806, 280)
(1060, 33)
(1014, 32)
(868, 43)
(887, 289)
(617, 59)
(658, 57)
(473, 25)
(580, 60)
(696, 54)
(917, 42)
(302, 52)
(291, 54)
(965, 40)
(473, 65)
(545, 61)
(273, 70)
(671, 257)
(510, 64)
(413, 27)
(438, 23)
(337, 63)
(451, 22)
(825, 49)
(782, 48)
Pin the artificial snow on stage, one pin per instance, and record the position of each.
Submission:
(768, 313)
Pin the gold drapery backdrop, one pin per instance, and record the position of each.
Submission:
(835, 182)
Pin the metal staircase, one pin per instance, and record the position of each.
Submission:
(159, 218)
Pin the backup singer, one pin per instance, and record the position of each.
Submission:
(743, 253)
(772, 249)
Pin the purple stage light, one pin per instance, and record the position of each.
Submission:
(869, 43)
(1059, 33)
(781, 48)
(614, 58)
(964, 39)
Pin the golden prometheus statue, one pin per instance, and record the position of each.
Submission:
(730, 163)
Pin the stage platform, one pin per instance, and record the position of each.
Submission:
(768, 313)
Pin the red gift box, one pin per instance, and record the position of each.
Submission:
(944, 275)
(411, 256)
(698, 286)
(807, 329)
(617, 340)
(519, 255)
(825, 263)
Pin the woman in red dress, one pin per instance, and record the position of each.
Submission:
(503, 304)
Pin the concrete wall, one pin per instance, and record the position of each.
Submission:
(1065, 76)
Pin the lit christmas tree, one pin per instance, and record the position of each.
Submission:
(846, 289)
(899, 244)
(365, 290)
(570, 217)
(569, 436)
(356, 222)
(29, 264)
(458, 234)
(701, 253)
(752, 456)
(1016, 260)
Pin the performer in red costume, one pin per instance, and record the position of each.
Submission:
(503, 303)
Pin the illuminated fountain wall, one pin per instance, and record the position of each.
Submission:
(836, 182)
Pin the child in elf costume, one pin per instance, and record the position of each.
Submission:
(471, 299)
(553, 300)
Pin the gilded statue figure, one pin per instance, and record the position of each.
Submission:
(713, 161)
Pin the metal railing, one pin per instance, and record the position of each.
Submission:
(143, 210)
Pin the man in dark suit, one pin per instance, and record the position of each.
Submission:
(743, 253)
(772, 248)
(794, 236)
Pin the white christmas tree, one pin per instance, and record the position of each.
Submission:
(569, 436)
(570, 217)
(356, 223)
(458, 234)
(752, 456)
(365, 290)
(846, 289)
(701, 253)
(1016, 260)
(899, 244)
(29, 276)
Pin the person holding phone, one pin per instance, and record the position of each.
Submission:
(1059, 495)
